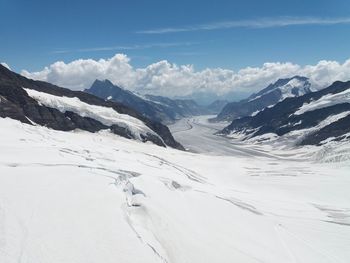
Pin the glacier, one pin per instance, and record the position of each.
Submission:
(97, 197)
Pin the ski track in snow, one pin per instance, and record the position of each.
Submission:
(83, 197)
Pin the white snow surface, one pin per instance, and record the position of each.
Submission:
(292, 84)
(97, 197)
(107, 116)
(325, 101)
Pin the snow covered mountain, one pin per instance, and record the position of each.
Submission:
(157, 108)
(312, 119)
(40, 103)
(274, 93)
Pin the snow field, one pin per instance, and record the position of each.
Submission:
(82, 197)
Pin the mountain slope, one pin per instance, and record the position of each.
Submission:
(308, 119)
(36, 102)
(216, 106)
(108, 91)
(278, 91)
(182, 107)
(157, 108)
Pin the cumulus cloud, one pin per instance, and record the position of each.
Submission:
(168, 79)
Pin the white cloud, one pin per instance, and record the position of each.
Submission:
(5, 65)
(257, 23)
(164, 78)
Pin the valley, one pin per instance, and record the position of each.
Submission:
(175, 131)
(198, 135)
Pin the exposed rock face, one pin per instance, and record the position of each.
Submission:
(278, 91)
(17, 104)
(306, 112)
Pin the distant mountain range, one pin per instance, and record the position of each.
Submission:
(216, 106)
(41, 103)
(157, 108)
(274, 93)
(310, 119)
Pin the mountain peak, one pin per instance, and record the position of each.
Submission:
(272, 94)
(288, 87)
(302, 78)
(102, 87)
(308, 119)
(4, 71)
(102, 83)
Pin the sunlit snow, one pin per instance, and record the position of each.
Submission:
(325, 101)
(105, 115)
(96, 197)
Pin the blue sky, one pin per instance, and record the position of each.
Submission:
(226, 34)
